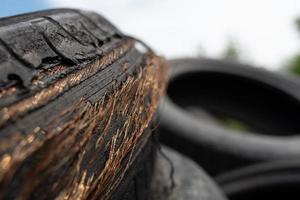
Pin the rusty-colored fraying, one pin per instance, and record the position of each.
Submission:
(84, 137)
(7, 91)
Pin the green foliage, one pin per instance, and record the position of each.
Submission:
(298, 24)
(231, 52)
(234, 124)
(294, 65)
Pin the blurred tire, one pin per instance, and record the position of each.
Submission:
(264, 105)
(77, 99)
(176, 177)
(274, 180)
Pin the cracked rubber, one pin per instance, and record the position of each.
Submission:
(40, 40)
(71, 89)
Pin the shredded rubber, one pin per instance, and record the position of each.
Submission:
(120, 117)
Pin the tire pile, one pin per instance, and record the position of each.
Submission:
(84, 109)
(239, 122)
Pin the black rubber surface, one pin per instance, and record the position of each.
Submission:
(274, 180)
(202, 92)
(177, 177)
(38, 50)
(136, 185)
(44, 39)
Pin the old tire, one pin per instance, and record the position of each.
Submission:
(268, 103)
(77, 99)
(176, 177)
(274, 180)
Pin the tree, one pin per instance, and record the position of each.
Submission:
(231, 52)
(294, 63)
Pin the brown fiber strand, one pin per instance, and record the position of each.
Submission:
(132, 105)
(7, 91)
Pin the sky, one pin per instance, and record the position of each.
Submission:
(263, 30)
(13, 7)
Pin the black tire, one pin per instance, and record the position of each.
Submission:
(268, 103)
(274, 180)
(176, 177)
(77, 99)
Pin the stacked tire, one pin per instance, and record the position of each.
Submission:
(239, 122)
(271, 180)
(78, 112)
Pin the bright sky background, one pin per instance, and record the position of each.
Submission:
(13, 7)
(264, 30)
